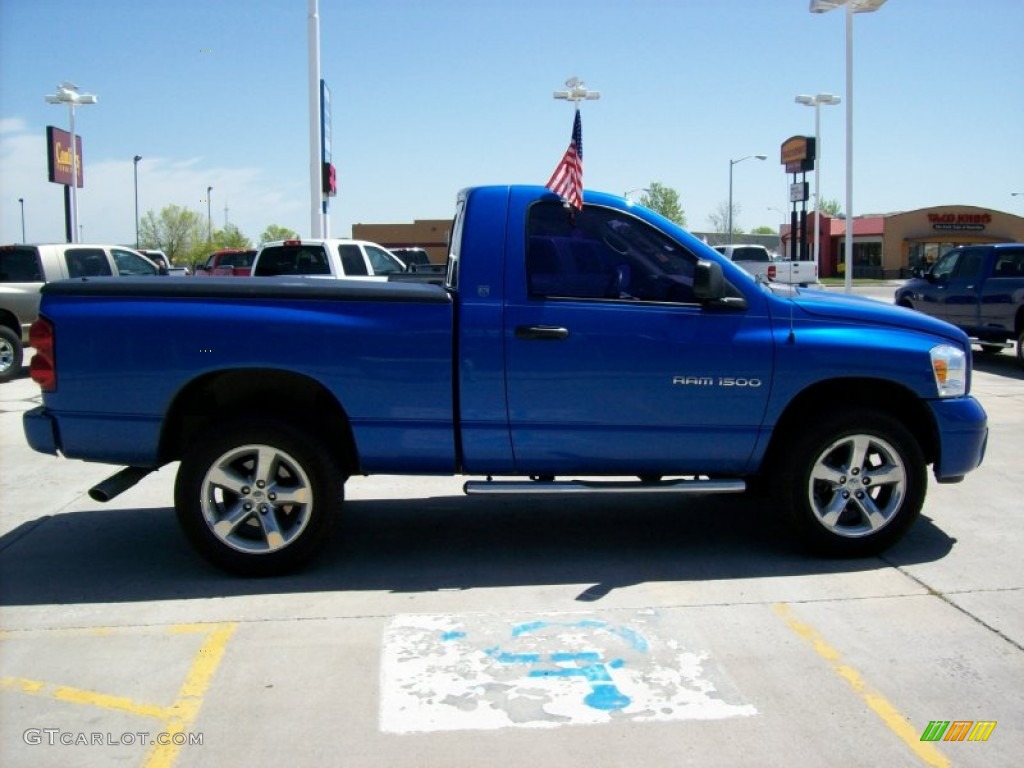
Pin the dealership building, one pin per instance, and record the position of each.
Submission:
(890, 245)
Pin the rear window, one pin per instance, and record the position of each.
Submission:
(292, 260)
(20, 265)
(750, 254)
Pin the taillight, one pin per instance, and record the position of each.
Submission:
(771, 272)
(43, 367)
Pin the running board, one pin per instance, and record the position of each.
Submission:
(510, 487)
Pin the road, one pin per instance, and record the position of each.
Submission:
(446, 631)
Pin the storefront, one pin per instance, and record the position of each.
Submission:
(890, 245)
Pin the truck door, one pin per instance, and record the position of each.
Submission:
(956, 290)
(612, 366)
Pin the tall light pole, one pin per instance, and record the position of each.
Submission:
(135, 162)
(816, 101)
(852, 7)
(731, 164)
(67, 93)
(21, 201)
(209, 216)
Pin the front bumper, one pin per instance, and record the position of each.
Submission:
(962, 428)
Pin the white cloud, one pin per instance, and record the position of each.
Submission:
(106, 203)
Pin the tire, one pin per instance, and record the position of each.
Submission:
(852, 484)
(1020, 348)
(11, 354)
(258, 498)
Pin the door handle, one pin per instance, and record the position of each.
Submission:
(541, 332)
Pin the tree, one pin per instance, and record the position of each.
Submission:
(176, 231)
(718, 219)
(763, 230)
(831, 208)
(664, 200)
(229, 237)
(273, 233)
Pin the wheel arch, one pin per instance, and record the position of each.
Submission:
(852, 393)
(229, 395)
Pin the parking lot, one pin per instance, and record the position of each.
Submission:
(443, 630)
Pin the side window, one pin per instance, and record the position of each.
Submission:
(20, 265)
(945, 265)
(600, 253)
(352, 259)
(129, 263)
(87, 262)
(1010, 263)
(382, 262)
(969, 265)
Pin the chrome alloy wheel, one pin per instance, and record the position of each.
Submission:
(256, 499)
(857, 485)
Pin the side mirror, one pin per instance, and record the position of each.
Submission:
(708, 281)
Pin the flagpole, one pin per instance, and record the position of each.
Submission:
(567, 180)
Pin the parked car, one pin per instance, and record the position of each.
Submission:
(980, 289)
(24, 269)
(330, 257)
(760, 262)
(228, 262)
(418, 260)
(160, 259)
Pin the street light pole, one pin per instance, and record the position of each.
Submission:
(67, 93)
(21, 201)
(731, 164)
(209, 216)
(135, 162)
(816, 102)
(852, 7)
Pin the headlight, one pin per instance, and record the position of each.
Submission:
(949, 364)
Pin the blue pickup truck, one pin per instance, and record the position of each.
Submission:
(978, 288)
(568, 351)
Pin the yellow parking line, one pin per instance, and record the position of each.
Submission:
(881, 706)
(183, 712)
(175, 719)
(82, 696)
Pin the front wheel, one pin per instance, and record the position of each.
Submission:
(853, 484)
(258, 499)
(1020, 348)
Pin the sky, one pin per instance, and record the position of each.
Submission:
(430, 97)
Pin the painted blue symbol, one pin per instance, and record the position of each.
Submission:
(604, 694)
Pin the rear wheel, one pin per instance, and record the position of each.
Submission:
(11, 354)
(1020, 348)
(853, 483)
(258, 498)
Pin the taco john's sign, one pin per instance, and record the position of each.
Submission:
(58, 150)
(969, 222)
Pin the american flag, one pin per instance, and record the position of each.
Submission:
(567, 180)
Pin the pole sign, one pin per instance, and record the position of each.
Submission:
(58, 153)
(799, 192)
(329, 185)
(798, 153)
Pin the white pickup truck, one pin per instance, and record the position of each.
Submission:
(326, 258)
(761, 263)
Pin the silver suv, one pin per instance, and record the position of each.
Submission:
(25, 268)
